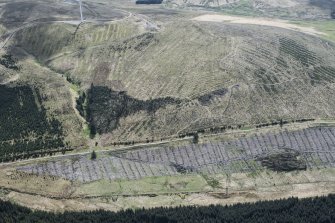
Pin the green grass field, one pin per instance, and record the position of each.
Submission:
(326, 26)
(152, 185)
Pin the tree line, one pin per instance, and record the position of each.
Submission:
(316, 210)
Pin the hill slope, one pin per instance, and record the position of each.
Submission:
(161, 75)
(222, 74)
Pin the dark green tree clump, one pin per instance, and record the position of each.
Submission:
(103, 107)
(292, 210)
(206, 98)
(9, 62)
(148, 2)
(93, 155)
(285, 161)
(196, 138)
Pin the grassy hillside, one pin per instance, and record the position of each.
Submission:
(14, 13)
(278, 74)
(221, 74)
(294, 9)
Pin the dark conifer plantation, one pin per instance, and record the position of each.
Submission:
(321, 209)
(24, 125)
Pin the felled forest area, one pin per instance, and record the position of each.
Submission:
(25, 129)
(288, 210)
(312, 148)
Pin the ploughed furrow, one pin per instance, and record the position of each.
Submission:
(298, 52)
(308, 148)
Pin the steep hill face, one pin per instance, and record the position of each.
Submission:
(221, 74)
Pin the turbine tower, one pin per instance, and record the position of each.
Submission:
(81, 12)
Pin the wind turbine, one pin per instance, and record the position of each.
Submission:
(81, 11)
